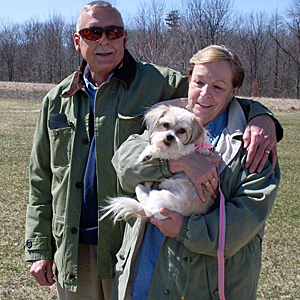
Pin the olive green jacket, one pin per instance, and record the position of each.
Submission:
(59, 156)
(187, 267)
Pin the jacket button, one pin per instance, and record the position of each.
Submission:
(79, 185)
(74, 230)
(85, 141)
(29, 245)
(72, 277)
(57, 133)
(217, 293)
(167, 292)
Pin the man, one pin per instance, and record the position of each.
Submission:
(81, 124)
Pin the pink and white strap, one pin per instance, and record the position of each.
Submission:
(222, 231)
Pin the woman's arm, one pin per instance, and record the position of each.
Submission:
(249, 200)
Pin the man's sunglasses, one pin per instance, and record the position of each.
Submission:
(95, 33)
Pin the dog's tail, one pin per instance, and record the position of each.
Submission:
(123, 208)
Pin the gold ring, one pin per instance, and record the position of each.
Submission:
(267, 151)
(214, 179)
(207, 184)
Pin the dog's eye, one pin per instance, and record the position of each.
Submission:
(181, 130)
(166, 125)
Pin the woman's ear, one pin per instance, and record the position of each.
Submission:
(235, 90)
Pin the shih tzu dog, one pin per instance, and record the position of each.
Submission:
(174, 132)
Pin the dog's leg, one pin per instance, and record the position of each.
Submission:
(142, 193)
(149, 153)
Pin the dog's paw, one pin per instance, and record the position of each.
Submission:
(148, 186)
(144, 158)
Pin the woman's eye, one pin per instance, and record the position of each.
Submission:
(181, 130)
(199, 83)
(218, 88)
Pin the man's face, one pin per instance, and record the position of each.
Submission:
(104, 54)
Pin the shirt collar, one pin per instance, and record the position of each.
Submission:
(91, 88)
(125, 72)
(216, 127)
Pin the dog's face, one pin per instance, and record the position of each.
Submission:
(173, 127)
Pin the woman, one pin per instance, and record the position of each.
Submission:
(182, 262)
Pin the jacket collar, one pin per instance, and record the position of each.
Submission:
(125, 72)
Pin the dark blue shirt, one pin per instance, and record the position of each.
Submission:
(89, 209)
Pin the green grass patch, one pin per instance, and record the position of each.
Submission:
(280, 275)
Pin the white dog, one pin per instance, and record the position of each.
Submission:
(173, 133)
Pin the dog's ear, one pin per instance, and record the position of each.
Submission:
(153, 115)
(197, 131)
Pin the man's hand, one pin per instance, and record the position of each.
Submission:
(41, 270)
(171, 226)
(260, 136)
(201, 170)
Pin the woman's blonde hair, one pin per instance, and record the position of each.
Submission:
(214, 53)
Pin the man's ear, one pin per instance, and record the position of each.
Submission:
(125, 39)
(76, 39)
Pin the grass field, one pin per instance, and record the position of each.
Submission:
(280, 278)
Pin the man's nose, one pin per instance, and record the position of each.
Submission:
(104, 40)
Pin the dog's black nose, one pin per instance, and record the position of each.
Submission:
(170, 138)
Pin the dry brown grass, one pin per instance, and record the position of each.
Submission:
(36, 91)
(17, 123)
(24, 90)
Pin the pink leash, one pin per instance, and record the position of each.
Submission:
(222, 230)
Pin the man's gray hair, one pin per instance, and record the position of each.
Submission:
(93, 6)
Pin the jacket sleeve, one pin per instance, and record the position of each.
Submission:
(253, 108)
(130, 172)
(38, 237)
(249, 200)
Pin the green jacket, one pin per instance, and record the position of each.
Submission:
(59, 156)
(187, 267)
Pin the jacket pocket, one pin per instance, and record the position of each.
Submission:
(60, 146)
(126, 126)
(58, 225)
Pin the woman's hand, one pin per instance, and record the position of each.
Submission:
(201, 170)
(260, 137)
(171, 226)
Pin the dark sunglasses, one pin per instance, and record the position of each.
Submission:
(95, 33)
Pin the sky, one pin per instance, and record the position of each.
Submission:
(19, 11)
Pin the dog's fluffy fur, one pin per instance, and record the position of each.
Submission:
(173, 133)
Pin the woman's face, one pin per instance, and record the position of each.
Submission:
(210, 90)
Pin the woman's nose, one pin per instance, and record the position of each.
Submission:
(205, 90)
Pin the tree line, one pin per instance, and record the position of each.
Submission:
(268, 44)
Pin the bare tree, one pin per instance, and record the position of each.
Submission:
(254, 40)
(147, 37)
(293, 49)
(9, 41)
(269, 47)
